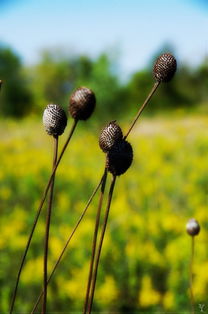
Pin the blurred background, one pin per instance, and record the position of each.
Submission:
(47, 50)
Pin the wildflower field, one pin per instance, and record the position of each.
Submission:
(146, 254)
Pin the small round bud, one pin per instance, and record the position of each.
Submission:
(82, 103)
(119, 158)
(109, 136)
(192, 227)
(54, 120)
(165, 67)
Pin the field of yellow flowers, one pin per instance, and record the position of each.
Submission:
(146, 253)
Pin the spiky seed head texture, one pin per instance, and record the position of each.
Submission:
(165, 67)
(54, 120)
(119, 157)
(82, 103)
(192, 227)
(109, 135)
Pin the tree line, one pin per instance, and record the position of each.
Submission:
(29, 89)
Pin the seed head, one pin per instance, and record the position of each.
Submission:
(82, 103)
(192, 227)
(54, 120)
(165, 67)
(109, 135)
(119, 157)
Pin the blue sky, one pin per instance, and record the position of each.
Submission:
(134, 28)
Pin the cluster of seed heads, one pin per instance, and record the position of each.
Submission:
(192, 227)
(165, 67)
(81, 106)
(119, 152)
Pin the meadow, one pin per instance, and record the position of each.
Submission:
(146, 254)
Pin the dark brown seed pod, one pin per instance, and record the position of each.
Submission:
(192, 227)
(165, 67)
(119, 158)
(109, 135)
(54, 120)
(82, 103)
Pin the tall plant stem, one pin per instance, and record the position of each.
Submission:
(38, 214)
(191, 276)
(47, 229)
(101, 243)
(94, 243)
(69, 239)
(155, 86)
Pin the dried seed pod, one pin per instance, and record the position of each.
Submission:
(165, 67)
(54, 120)
(119, 157)
(109, 135)
(82, 103)
(192, 227)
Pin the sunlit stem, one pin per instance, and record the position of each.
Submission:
(94, 244)
(47, 230)
(142, 107)
(100, 244)
(191, 276)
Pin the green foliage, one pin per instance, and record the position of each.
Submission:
(187, 89)
(138, 88)
(57, 74)
(111, 96)
(52, 78)
(16, 98)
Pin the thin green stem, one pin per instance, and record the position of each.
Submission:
(47, 229)
(101, 243)
(191, 276)
(37, 216)
(69, 239)
(94, 244)
(155, 86)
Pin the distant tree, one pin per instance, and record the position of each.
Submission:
(16, 98)
(52, 78)
(138, 88)
(187, 89)
(111, 95)
(58, 74)
(202, 74)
